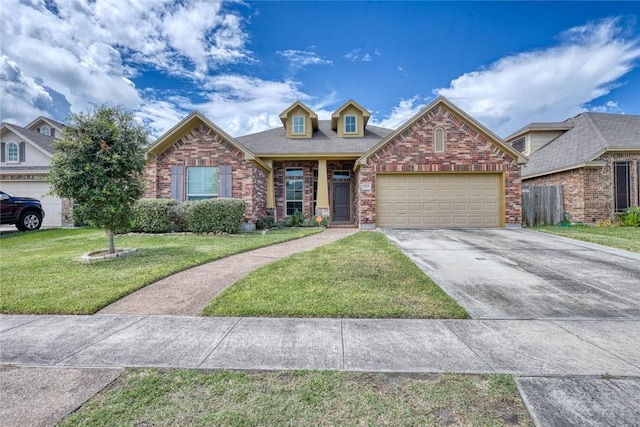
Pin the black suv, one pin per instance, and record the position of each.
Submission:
(26, 213)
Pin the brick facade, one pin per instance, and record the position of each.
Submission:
(466, 150)
(308, 166)
(202, 146)
(589, 192)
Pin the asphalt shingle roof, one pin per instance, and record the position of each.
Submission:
(324, 141)
(43, 141)
(590, 136)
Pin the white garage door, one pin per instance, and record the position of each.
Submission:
(438, 200)
(37, 189)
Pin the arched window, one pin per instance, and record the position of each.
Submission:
(12, 152)
(45, 130)
(438, 145)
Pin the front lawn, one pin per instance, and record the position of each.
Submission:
(618, 237)
(361, 276)
(42, 272)
(303, 398)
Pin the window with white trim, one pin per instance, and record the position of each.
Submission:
(12, 152)
(298, 125)
(519, 144)
(293, 190)
(350, 124)
(45, 130)
(202, 183)
(438, 145)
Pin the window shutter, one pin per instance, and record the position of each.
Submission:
(38, 130)
(177, 183)
(53, 132)
(224, 181)
(3, 148)
(21, 151)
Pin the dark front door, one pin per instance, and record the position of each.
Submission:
(341, 201)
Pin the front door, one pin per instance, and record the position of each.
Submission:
(341, 201)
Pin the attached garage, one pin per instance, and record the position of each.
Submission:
(439, 200)
(51, 205)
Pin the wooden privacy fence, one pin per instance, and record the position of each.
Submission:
(542, 205)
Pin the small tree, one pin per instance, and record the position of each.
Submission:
(99, 163)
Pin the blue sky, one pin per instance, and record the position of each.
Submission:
(242, 63)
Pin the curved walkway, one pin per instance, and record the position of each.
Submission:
(188, 292)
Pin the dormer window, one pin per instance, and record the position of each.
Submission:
(350, 124)
(298, 125)
(45, 130)
(12, 152)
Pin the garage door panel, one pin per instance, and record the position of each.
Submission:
(432, 200)
(51, 205)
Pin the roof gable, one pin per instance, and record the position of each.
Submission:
(169, 138)
(43, 143)
(469, 121)
(335, 116)
(46, 121)
(298, 104)
(591, 135)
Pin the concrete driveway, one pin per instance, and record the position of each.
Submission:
(522, 274)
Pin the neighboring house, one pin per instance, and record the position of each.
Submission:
(594, 156)
(440, 169)
(24, 165)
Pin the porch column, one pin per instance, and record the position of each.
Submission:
(322, 197)
(271, 194)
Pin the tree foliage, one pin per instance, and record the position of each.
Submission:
(99, 163)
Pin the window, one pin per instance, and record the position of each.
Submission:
(438, 145)
(341, 175)
(622, 185)
(518, 144)
(293, 190)
(202, 183)
(298, 125)
(45, 130)
(349, 124)
(12, 152)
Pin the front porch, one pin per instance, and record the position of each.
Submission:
(315, 187)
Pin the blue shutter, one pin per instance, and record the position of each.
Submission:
(177, 183)
(3, 147)
(224, 181)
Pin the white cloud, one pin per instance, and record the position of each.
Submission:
(357, 55)
(607, 107)
(301, 58)
(406, 109)
(550, 84)
(88, 50)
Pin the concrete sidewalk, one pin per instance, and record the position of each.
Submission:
(523, 347)
(582, 373)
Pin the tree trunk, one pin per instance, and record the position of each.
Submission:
(112, 246)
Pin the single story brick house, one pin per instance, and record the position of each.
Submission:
(594, 156)
(440, 169)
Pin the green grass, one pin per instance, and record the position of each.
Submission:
(303, 398)
(617, 237)
(361, 276)
(42, 272)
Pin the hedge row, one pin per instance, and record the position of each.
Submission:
(202, 216)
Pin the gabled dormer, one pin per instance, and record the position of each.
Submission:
(46, 126)
(350, 120)
(299, 121)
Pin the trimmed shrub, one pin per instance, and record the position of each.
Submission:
(157, 216)
(265, 223)
(214, 215)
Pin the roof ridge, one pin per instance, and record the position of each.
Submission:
(596, 130)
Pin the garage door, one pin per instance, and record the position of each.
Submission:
(438, 200)
(37, 189)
